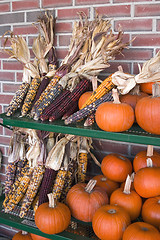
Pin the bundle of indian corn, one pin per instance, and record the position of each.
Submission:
(34, 74)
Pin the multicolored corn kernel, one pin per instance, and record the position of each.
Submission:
(59, 184)
(82, 167)
(10, 177)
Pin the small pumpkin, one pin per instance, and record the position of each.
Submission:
(114, 116)
(140, 160)
(22, 235)
(151, 211)
(83, 98)
(110, 221)
(147, 87)
(116, 167)
(147, 111)
(133, 97)
(147, 181)
(37, 237)
(141, 231)
(53, 217)
(84, 199)
(108, 185)
(128, 199)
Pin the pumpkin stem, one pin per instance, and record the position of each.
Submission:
(149, 151)
(127, 186)
(156, 90)
(52, 201)
(91, 184)
(132, 176)
(159, 201)
(115, 96)
(149, 162)
(24, 232)
(112, 211)
(103, 179)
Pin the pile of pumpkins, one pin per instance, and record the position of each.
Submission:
(141, 105)
(113, 201)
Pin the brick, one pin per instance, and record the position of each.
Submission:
(4, 55)
(3, 169)
(114, 67)
(137, 54)
(61, 53)
(147, 10)
(115, 11)
(137, 148)
(24, 5)
(4, 29)
(33, 16)
(7, 132)
(5, 140)
(135, 68)
(83, 2)
(63, 27)
(12, 18)
(26, 29)
(1, 128)
(7, 76)
(64, 40)
(10, 88)
(158, 25)
(56, 3)
(12, 65)
(125, 1)
(2, 179)
(4, 7)
(134, 25)
(71, 13)
(19, 76)
(146, 40)
(5, 99)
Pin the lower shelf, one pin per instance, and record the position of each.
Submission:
(76, 230)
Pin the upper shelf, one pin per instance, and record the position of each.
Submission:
(135, 134)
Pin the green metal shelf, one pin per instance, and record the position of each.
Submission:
(134, 135)
(83, 231)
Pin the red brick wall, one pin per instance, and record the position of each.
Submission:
(139, 18)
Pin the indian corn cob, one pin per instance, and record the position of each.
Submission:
(102, 89)
(47, 185)
(82, 166)
(81, 87)
(35, 83)
(19, 166)
(32, 189)
(10, 177)
(90, 120)
(88, 110)
(52, 107)
(20, 191)
(35, 203)
(18, 98)
(71, 110)
(59, 183)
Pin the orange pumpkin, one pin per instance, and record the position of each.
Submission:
(116, 167)
(37, 237)
(52, 218)
(140, 160)
(128, 199)
(22, 235)
(146, 87)
(83, 98)
(108, 185)
(147, 181)
(114, 116)
(133, 97)
(151, 211)
(140, 231)
(84, 199)
(110, 221)
(147, 112)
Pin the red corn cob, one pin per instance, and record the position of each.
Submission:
(72, 98)
(88, 110)
(52, 107)
(70, 111)
(47, 185)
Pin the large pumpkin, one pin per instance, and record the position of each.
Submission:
(37, 237)
(22, 235)
(110, 221)
(108, 185)
(128, 199)
(84, 199)
(147, 181)
(140, 160)
(141, 231)
(116, 167)
(133, 97)
(147, 112)
(114, 116)
(146, 87)
(151, 211)
(52, 218)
